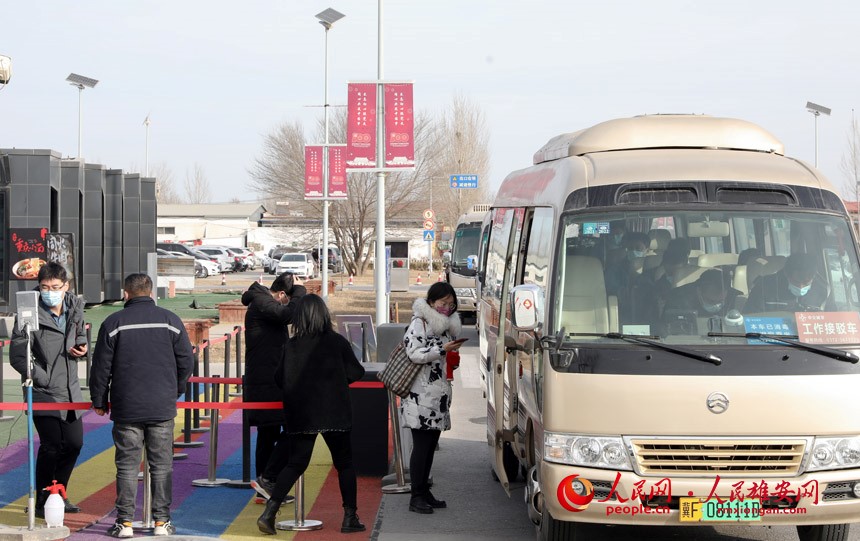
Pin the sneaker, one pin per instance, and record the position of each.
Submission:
(121, 529)
(263, 486)
(259, 500)
(164, 528)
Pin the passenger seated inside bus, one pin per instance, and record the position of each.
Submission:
(795, 288)
(708, 297)
(625, 265)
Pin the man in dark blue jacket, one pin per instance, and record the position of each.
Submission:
(142, 362)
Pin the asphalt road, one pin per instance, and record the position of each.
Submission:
(478, 508)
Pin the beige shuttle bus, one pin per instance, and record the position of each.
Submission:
(670, 324)
(461, 271)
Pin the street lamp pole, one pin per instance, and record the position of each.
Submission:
(379, 265)
(326, 18)
(146, 159)
(80, 82)
(816, 110)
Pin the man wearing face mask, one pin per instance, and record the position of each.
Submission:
(796, 288)
(708, 296)
(57, 346)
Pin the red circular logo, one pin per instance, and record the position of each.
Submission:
(569, 499)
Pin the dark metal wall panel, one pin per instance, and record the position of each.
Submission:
(91, 244)
(113, 234)
(147, 219)
(131, 225)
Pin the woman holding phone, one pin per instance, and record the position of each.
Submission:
(431, 336)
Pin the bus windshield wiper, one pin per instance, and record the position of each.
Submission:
(837, 354)
(639, 339)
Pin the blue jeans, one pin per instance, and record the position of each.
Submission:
(129, 440)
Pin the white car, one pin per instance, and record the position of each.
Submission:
(219, 255)
(298, 263)
(204, 266)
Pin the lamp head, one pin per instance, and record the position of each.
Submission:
(328, 17)
(816, 109)
(80, 81)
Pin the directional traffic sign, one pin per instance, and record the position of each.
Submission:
(429, 214)
(429, 235)
(464, 181)
(428, 224)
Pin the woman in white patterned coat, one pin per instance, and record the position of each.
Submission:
(430, 337)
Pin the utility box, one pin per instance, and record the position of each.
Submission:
(399, 264)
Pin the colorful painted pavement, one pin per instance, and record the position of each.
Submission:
(224, 512)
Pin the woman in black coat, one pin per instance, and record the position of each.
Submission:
(269, 313)
(318, 367)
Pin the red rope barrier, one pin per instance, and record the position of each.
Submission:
(227, 381)
(4, 343)
(213, 341)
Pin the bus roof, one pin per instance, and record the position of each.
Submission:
(661, 131)
(656, 148)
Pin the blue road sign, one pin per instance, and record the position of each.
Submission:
(429, 235)
(464, 181)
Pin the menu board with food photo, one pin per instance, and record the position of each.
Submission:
(28, 252)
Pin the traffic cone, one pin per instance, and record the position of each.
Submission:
(223, 279)
(440, 277)
(418, 281)
(260, 281)
(350, 279)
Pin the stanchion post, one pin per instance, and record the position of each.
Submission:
(300, 524)
(365, 356)
(245, 482)
(211, 480)
(146, 523)
(228, 342)
(197, 415)
(401, 487)
(239, 374)
(195, 391)
(206, 387)
(186, 430)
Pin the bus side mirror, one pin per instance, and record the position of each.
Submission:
(527, 307)
(481, 275)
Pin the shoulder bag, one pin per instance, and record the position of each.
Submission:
(399, 372)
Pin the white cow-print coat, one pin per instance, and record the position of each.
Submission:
(426, 406)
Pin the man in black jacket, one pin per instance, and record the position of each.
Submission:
(796, 288)
(269, 313)
(142, 362)
(58, 344)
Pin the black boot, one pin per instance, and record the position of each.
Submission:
(434, 503)
(266, 522)
(350, 521)
(41, 498)
(419, 504)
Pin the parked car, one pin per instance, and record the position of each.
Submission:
(250, 258)
(242, 258)
(203, 266)
(275, 257)
(175, 247)
(220, 255)
(298, 263)
(335, 260)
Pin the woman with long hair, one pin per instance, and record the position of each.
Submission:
(428, 340)
(318, 367)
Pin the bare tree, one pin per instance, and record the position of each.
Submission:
(851, 165)
(165, 189)
(460, 146)
(197, 186)
(279, 173)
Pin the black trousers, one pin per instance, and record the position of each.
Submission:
(60, 443)
(423, 449)
(271, 448)
(301, 446)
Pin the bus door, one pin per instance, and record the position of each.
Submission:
(501, 269)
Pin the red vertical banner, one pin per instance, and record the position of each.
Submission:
(337, 172)
(361, 126)
(399, 126)
(313, 171)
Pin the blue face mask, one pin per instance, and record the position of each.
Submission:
(52, 298)
(635, 254)
(799, 291)
(713, 308)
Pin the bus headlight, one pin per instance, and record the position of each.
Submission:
(834, 454)
(465, 291)
(584, 450)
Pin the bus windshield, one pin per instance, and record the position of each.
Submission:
(465, 251)
(695, 276)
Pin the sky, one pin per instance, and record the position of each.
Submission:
(216, 77)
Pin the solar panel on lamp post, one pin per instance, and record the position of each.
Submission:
(817, 110)
(80, 82)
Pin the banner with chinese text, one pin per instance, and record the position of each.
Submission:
(313, 171)
(337, 172)
(399, 126)
(361, 126)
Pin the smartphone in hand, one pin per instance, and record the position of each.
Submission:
(459, 340)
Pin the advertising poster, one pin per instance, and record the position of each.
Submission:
(361, 126)
(61, 249)
(28, 251)
(399, 126)
(337, 171)
(313, 172)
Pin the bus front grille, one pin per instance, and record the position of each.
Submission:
(726, 457)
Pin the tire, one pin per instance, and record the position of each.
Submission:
(204, 272)
(823, 532)
(557, 530)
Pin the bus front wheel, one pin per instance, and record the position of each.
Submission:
(823, 532)
(558, 530)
